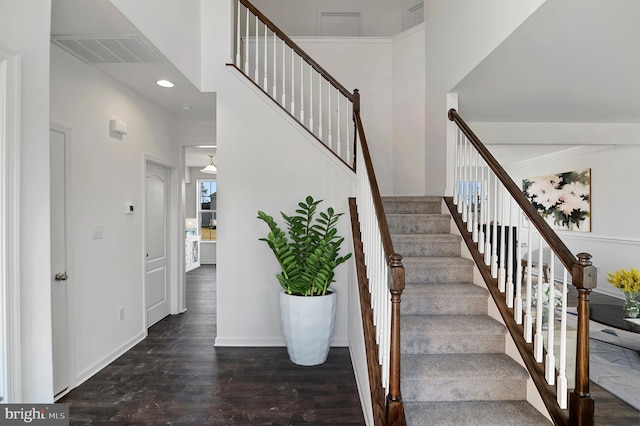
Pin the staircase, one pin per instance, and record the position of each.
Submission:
(454, 369)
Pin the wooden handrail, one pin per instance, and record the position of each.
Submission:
(555, 243)
(387, 244)
(583, 277)
(304, 55)
(394, 405)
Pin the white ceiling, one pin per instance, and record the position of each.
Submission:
(571, 61)
(100, 17)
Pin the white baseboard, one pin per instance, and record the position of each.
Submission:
(88, 373)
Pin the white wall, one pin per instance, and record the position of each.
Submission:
(106, 172)
(611, 151)
(408, 103)
(266, 162)
(364, 64)
(24, 30)
(458, 35)
(302, 18)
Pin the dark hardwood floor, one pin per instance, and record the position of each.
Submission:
(177, 376)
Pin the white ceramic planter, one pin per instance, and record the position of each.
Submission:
(307, 323)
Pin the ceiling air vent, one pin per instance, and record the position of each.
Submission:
(119, 49)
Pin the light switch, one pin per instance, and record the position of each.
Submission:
(128, 208)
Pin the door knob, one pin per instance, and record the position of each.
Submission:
(61, 276)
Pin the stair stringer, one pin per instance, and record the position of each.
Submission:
(533, 396)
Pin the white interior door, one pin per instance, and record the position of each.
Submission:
(58, 264)
(157, 243)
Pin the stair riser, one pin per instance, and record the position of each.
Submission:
(416, 343)
(435, 274)
(434, 249)
(419, 207)
(465, 390)
(418, 225)
(442, 306)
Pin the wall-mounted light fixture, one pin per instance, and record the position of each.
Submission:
(117, 126)
(211, 168)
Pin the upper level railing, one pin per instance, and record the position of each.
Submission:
(331, 113)
(500, 220)
(303, 88)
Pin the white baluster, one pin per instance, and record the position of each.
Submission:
(456, 171)
(266, 61)
(488, 243)
(502, 239)
(320, 135)
(238, 59)
(509, 268)
(550, 360)
(481, 218)
(538, 342)
(465, 180)
(330, 115)
(339, 147)
(494, 239)
(284, 68)
(257, 47)
(293, 87)
(274, 90)
(517, 310)
(301, 91)
(528, 320)
(561, 389)
(474, 217)
(311, 98)
(347, 112)
(246, 44)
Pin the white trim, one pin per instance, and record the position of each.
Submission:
(68, 218)
(10, 365)
(176, 238)
(340, 39)
(89, 372)
(408, 32)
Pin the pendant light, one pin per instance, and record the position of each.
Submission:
(211, 168)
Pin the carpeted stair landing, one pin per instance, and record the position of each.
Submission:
(454, 370)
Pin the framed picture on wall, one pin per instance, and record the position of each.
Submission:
(562, 199)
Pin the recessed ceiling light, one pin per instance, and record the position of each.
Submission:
(165, 83)
(186, 107)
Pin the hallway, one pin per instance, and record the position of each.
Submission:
(176, 376)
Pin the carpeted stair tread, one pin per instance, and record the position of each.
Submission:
(459, 366)
(412, 204)
(473, 413)
(449, 334)
(444, 299)
(426, 244)
(462, 377)
(437, 269)
(419, 223)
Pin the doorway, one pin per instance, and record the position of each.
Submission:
(157, 242)
(59, 283)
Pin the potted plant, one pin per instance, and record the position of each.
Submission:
(308, 255)
(629, 283)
